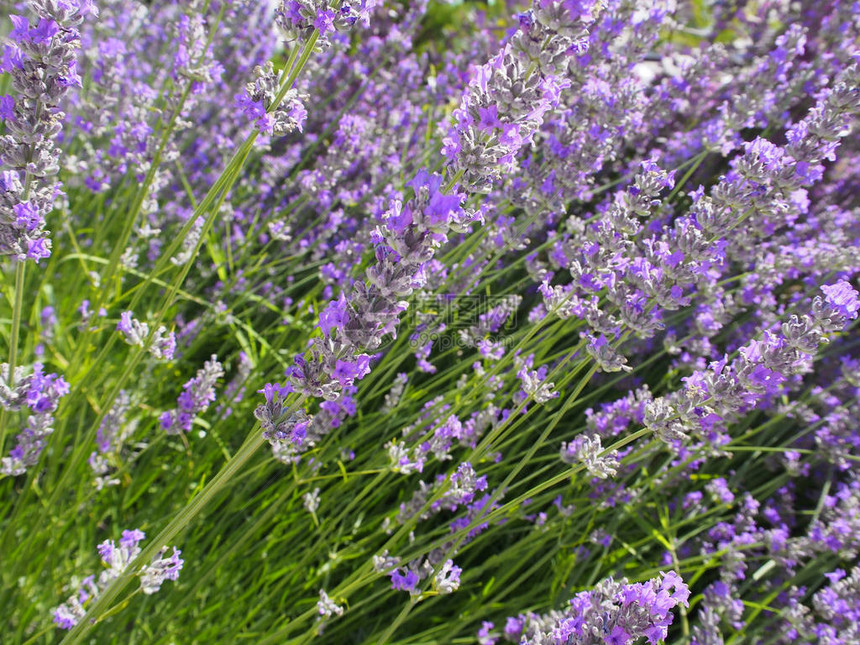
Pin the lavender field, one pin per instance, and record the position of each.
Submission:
(425, 322)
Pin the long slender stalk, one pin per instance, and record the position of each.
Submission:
(214, 196)
(14, 332)
(103, 602)
(190, 511)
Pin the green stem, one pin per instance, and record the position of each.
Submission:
(137, 205)
(13, 340)
(214, 197)
(103, 602)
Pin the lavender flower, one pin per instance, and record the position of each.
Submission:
(299, 18)
(134, 332)
(392, 398)
(620, 612)
(257, 103)
(406, 581)
(112, 433)
(41, 61)
(510, 95)
(534, 383)
(198, 393)
(586, 450)
(234, 392)
(286, 434)
(39, 394)
(116, 558)
(153, 575)
(404, 244)
(447, 580)
(713, 396)
(327, 607)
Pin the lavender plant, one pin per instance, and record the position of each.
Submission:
(429, 322)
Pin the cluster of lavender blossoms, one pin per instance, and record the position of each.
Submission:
(714, 396)
(163, 343)
(39, 395)
(116, 558)
(196, 396)
(40, 58)
(509, 96)
(410, 233)
(257, 103)
(614, 613)
(351, 326)
(298, 19)
(111, 437)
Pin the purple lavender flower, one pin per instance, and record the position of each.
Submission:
(352, 326)
(299, 18)
(447, 579)
(257, 104)
(619, 611)
(163, 344)
(587, 451)
(510, 95)
(842, 298)
(111, 435)
(714, 396)
(41, 61)
(406, 581)
(117, 557)
(153, 575)
(197, 394)
(40, 394)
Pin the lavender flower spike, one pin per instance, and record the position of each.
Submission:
(117, 557)
(40, 394)
(41, 61)
(299, 18)
(198, 393)
(134, 332)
